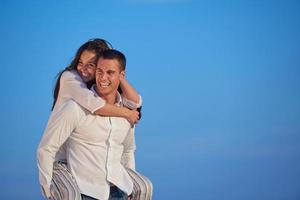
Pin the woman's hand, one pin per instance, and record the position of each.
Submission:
(132, 116)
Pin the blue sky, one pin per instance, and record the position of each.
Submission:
(219, 79)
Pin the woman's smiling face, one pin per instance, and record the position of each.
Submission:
(87, 65)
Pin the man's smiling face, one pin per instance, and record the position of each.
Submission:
(108, 76)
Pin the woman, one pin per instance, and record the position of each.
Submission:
(74, 80)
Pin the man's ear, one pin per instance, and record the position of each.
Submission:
(122, 74)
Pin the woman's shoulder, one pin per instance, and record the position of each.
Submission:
(72, 74)
(69, 73)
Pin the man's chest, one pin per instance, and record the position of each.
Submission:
(96, 129)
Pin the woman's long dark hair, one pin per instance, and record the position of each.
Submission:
(95, 45)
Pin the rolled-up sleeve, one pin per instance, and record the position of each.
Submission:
(61, 124)
(131, 104)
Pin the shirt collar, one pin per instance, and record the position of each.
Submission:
(119, 97)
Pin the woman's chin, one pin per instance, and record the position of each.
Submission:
(86, 79)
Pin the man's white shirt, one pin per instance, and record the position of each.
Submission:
(97, 149)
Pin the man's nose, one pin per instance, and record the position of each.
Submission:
(103, 76)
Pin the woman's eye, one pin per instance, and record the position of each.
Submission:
(91, 65)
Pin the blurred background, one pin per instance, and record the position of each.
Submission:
(220, 82)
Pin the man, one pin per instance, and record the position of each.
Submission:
(99, 149)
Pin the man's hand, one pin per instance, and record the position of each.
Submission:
(132, 117)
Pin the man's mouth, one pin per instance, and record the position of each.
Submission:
(104, 85)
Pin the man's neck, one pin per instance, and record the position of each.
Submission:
(109, 98)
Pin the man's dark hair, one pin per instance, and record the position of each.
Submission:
(115, 54)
